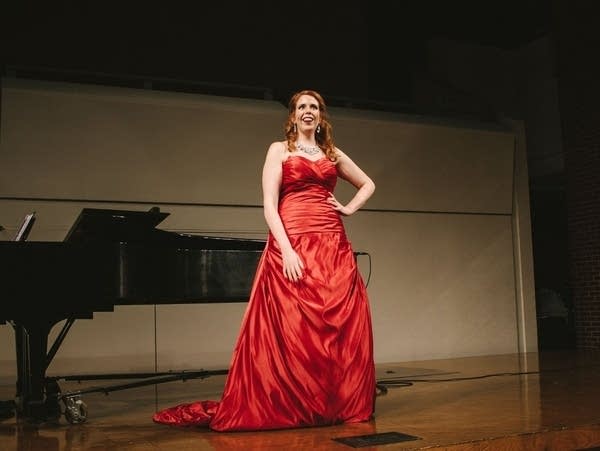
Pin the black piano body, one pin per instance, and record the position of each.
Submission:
(108, 258)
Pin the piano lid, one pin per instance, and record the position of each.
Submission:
(114, 225)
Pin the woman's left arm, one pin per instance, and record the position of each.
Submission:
(349, 170)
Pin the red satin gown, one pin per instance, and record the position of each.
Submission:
(304, 355)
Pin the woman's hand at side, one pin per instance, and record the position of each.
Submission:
(292, 265)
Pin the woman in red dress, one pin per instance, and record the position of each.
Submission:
(304, 355)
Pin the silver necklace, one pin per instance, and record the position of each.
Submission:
(309, 150)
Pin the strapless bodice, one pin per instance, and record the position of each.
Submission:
(305, 187)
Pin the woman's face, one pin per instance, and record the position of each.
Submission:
(307, 114)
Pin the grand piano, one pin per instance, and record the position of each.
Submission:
(108, 258)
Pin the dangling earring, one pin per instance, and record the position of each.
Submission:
(295, 127)
(319, 128)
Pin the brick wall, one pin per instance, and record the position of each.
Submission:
(577, 42)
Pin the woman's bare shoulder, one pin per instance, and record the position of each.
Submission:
(277, 149)
(280, 145)
(339, 154)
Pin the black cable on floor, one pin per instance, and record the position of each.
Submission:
(383, 384)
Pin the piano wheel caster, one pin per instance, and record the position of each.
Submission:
(75, 410)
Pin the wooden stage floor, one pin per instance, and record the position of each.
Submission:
(548, 401)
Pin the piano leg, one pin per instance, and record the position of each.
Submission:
(20, 340)
(34, 401)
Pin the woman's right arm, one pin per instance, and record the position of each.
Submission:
(271, 183)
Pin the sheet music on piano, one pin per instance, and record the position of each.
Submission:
(25, 228)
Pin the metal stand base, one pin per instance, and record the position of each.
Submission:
(76, 410)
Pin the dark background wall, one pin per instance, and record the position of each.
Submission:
(354, 48)
(577, 38)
